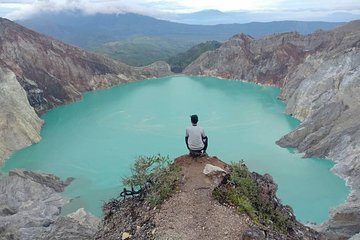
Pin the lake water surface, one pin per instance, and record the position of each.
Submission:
(97, 139)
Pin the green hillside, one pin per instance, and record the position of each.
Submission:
(180, 61)
(143, 50)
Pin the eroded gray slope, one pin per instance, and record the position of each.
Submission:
(30, 206)
(19, 124)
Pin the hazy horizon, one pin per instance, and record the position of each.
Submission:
(195, 12)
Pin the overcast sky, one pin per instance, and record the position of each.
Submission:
(16, 9)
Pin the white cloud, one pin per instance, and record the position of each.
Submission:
(23, 8)
(319, 4)
(28, 8)
(225, 5)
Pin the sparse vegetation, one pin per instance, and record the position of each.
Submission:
(243, 192)
(162, 174)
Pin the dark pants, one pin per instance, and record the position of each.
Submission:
(196, 153)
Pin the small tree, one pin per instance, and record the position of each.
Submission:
(157, 170)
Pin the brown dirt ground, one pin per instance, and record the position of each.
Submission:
(193, 213)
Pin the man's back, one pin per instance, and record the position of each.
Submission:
(196, 135)
(195, 138)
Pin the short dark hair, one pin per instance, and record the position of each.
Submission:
(194, 119)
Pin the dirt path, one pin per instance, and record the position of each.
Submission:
(192, 213)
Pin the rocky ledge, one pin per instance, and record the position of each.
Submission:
(319, 77)
(30, 207)
(207, 205)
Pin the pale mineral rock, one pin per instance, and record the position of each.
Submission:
(210, 169)
(30, 207)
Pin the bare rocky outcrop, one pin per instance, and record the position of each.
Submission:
(19, 124)
(194, 213)
(319, 76)
(30, 207)
(79, 225)
(51, 73)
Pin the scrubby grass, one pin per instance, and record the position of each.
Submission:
(242, 191)
(162, 174)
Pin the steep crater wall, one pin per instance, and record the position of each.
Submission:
(39, 73)
(319, 75)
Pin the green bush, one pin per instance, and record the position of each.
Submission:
(242, 204)
(242, 192)
(241, 178)
(158, 170)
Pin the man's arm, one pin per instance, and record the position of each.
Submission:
(187, 139)
(187, 142)
(205, 140)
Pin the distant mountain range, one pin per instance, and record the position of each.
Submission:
(90, 31)
(319, 75)
(211, 17)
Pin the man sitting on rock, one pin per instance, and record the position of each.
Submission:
(195, 138)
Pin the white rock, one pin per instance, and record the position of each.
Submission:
(212, 169)
(79, 215)
(355, 237)
(19, 124)
(125, 235)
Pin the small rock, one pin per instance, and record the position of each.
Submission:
(68, 181)
(209, 169)
(7, 211)
(216, 173)
(253, 234)
(125, 235)
(79, 215)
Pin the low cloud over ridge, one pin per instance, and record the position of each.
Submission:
(169, 9)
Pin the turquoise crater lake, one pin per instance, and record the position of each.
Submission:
(97, 139)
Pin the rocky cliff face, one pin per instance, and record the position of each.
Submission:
(51, 73)
(320, 79)
(19, 124)
(30, 206)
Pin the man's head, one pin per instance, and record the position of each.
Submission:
(194, 119)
